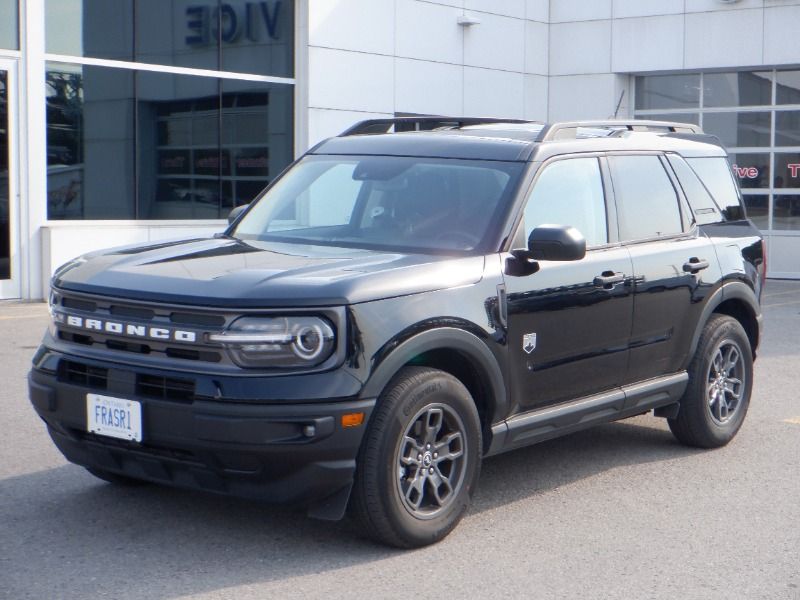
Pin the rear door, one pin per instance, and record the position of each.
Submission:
(569, 323)
(674, 264)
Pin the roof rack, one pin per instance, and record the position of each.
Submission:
(377, 126)
(611, 127)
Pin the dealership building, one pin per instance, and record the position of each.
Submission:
(126, 121)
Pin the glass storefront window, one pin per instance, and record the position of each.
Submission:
(178, 33)
(739, 129)
(757, 207)
(90, 142)
(786, 211)
(257, 134)
(677, 117)
(742, 88)
(788, 87)
(94, 28)
(178, 146)
(787, 128)
(787, 170)
(9, 28)
(667, 92)
(751, 170)
(258, 37)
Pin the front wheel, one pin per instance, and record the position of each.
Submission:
(720, 382)
(420, 460)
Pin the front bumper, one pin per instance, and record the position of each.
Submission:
(295, 453)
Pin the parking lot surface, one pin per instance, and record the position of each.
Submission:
(620, 511)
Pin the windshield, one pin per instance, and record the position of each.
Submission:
(384, 202)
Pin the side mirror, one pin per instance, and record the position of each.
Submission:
(234, 214)
(556, 242)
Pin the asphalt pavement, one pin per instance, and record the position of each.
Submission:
(620, 511)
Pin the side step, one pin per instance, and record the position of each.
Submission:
(553, 421)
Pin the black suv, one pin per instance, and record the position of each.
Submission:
(405, 299)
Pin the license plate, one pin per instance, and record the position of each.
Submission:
(114, 417)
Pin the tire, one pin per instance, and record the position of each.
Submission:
(114, 478)
(405, 494)
(714, 405)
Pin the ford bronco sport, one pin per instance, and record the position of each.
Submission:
(408, 298)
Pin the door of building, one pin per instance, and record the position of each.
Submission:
(9, 183)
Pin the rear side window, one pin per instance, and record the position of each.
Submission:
(647, 203)
(703, 206)
(570, 192)
(715, 173)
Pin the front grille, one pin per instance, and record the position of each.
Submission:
(81, 374)
(165, 388)
(143, 316)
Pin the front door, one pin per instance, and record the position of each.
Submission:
(9, 195)
(569, 325)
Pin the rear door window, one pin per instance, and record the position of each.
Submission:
(647, 202)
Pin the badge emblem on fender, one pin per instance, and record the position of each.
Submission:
(529, 342)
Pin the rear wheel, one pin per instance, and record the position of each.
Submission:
(720, 382)
(420, 460)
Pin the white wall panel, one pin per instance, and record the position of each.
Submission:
(350, 80)
(337, 24)
(325, 123)
(537, 47)
(489, 93)
(537, 10)
(782, 35)
(730, 38)
(426, 87)
(496, 43)
(580, 48)
(579, 10)
(428, 31)
(535, 107)
(645, 8)
(716, 5)
(647, 44)
(583, 97)
(510, 8)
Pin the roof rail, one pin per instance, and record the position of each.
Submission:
(570, 129)
(375, 126)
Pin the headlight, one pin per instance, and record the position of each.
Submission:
(286, 342)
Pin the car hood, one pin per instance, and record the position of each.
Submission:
(230, 272)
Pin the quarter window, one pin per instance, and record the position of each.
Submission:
(647, 203)
(570, 192)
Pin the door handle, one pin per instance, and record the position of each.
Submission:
(695, 265)
(608, 279)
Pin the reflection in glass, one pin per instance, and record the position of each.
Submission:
(178, 33)
(744, 88)
(676, 117)
(90, 142)
(95, 28)
(668, 91)
(757, 207)
(9, 32)
(786, 211)
(178, 146)
(745, 129)
(5, 231)
(787, 128)
(750, 170)
(257, 134)
(788, 87)
(258, 37)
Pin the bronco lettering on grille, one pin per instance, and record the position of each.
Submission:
(126, 329)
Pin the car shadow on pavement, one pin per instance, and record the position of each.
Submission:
(62, 529)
